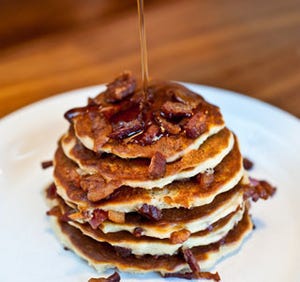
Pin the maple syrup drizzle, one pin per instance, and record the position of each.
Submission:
(143, 46)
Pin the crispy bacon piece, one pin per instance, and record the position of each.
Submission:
(75, 112)
(150, 212)
(247, 164)
(157, 167)
(176, 109)
(127, 129)
(151, 134)
(56, 211)
(259, 189)
(123, 252)
(166, 126)
(96, 187)
(138, 232)
(196, 125)
(98, 217)
(191, 275)
(118, 217)
(115, 277)
(51, 191)
(123, 86)
(190, 260)
(178, 237)
(205, 179)
(46, 164)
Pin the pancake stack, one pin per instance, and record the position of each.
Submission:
(151, 181)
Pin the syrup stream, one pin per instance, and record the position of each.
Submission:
(143, 46)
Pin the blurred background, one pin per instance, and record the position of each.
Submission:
(50, 46)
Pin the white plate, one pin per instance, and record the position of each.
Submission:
(29, 251)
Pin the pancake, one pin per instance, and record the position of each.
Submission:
(149, 245)
(102, 255)
(135, 173)
(194, 220)
(172, 146)
(188, 193)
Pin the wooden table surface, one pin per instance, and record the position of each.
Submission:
(252, 47)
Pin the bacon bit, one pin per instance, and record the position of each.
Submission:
(190, 260)
(75, 112)
(258, 189)
(191, 275)
(96, 187)
(157, 167)
(113, 278)
(167, 126)
(247, 164)
(150, 212)
(55, 211)
(138, 232)
(46, 164)
(123, 86)
(205, 179)
(51, 191)
(127, 129)
(98, 217)
(123, 252)
(151, 135)
(178, 237)
(196, 125)
(91, 182)
(118, 217)
(176, 109)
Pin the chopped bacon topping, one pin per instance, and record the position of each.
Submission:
(196, 125)
(75, 112)
(138, 232)
(157, 167)
(259, 189)
(96, 187)
(56, 211)
(190, 260)
(115, 277)
(118, 217)
(178, 237)
(150, 212)
(205, 179)
(166, 126)
(191, 275)
(247, 164)
(127, 129)
(151, 134)
(123, 86)
(195, 268)
(51, 191)
(98, 217)
(176, 109)
(46, 164)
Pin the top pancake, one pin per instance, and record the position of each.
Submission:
(93, 128)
